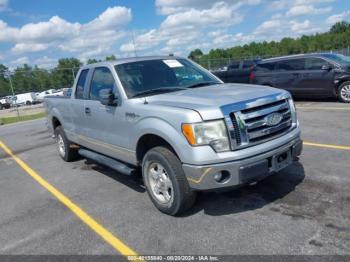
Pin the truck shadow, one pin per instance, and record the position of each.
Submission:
(247, 198)
(273, 188)
(134, 181)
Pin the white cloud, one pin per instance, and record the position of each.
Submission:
(113, 17)
(45, 62)
(20, 61)
(268, 26)
(220, 14)
(7, 33)
(183, 29)
(286, 4)
(3, 5)
(307, 10)
(94, 37)
(54, 29)
(21, 48)
(331, 20)
(167, 7)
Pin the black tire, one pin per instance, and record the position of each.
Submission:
(183, 197)
(67, 154)
(340, 92)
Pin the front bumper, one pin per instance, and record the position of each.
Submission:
(244, 171)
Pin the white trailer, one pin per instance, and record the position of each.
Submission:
(25, 98)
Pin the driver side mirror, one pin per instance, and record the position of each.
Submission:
(107, 97)
(326, 67)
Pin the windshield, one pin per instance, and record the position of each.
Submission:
(341, 59)
(144, 77)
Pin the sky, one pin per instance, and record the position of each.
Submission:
(39, 32)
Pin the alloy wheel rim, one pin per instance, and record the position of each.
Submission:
(345, 92)
(160, 183)
(61, 146)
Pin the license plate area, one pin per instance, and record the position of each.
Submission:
(282, 160)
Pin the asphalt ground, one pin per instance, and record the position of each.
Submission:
(304, 209)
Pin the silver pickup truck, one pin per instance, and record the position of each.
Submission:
(177, 124)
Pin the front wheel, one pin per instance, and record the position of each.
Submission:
(344, 92)
(166, 182)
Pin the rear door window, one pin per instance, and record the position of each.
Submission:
(234, 65)
(79, 93)
(247, 64)
(266, 66)
(292, 65)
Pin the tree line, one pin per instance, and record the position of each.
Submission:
(34, 79)
(338, 37)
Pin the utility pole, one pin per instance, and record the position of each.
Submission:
(13, 93)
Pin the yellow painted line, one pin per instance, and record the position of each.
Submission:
(327, 146)
(100, 230)
(323, 108)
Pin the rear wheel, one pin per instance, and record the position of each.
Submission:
(64, 146)
(344, 92)
(166, 182)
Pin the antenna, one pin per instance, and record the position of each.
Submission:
(133, 42)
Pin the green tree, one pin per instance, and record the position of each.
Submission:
(4, 82)
(340, 27)
(63, 75)
(111, 58)
(338, 37)
(195, 54)
(92, 61)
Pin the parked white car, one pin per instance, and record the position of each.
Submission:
(50, 92)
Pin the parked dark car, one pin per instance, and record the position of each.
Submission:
(309, 75)
(237, 72)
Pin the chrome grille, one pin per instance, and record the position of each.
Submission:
(250, 126)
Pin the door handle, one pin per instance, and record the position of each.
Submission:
(87, 110)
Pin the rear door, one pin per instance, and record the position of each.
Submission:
(77, 105)
(288, 74)
(314, 80)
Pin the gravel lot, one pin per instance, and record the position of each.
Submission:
(305, 209)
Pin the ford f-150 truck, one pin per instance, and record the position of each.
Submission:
(177, 124)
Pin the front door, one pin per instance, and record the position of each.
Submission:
(106, 125)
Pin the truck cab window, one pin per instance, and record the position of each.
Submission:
(79, 93)
(101, 79)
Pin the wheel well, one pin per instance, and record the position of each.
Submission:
(341, 82)
(55, 123)
(146, 142)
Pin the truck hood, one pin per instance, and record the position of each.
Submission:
(208, 100)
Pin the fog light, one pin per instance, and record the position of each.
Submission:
(218, 177)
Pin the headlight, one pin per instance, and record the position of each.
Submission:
(293, 111)
(211, 133)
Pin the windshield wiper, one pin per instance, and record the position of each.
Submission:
(207, 83)
(158, 90)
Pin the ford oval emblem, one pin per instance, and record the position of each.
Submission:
(273, 119)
